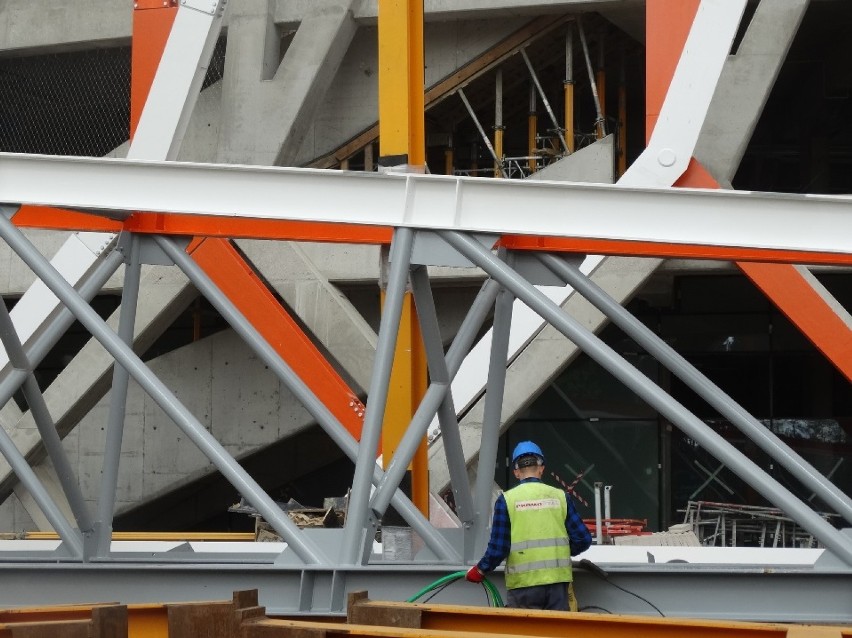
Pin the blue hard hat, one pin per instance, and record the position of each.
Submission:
(525, 448)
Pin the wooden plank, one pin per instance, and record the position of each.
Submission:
(202, 620)
(110, 622)
(51, 629)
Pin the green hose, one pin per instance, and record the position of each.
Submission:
(493, 595)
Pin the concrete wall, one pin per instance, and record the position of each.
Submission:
(223, 384)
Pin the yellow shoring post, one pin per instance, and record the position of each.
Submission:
(498, 150)
(498, 122)
(568, 87)
(532, 132)
(402, 141)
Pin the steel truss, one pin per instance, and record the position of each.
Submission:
(436, 221)
(323, 565)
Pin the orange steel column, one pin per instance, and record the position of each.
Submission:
(796, 298)
(668, 24)
(402, 141)
(152, 23)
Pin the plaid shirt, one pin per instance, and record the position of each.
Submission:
(500, 542)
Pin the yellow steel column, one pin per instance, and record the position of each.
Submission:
(402, 143)
(401, 122)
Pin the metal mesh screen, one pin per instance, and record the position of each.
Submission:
(65, 104)
(75, 103)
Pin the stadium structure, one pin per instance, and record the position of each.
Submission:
(250, 246)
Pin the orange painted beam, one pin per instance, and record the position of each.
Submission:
(152, 24)
(203, 226)
(785, 285)
(60, 219)
(797, 299)
(667, 25)
(238, 281)
(229, 227)
(669, 251)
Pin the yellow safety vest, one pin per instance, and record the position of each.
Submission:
(540, 553)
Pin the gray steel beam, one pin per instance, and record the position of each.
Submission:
(182, 417)
(438, 371)
(748, 592)
(44, 422)
(37, 350)
(704, 387)
(739, 463)
(492, 412)
(344, 440)
(118, 402)
(356, 520)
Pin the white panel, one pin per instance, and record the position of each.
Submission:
(818, 223)
(690, 93)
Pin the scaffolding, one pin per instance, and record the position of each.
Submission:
(735, 525)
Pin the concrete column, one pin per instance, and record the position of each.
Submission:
(267, 106)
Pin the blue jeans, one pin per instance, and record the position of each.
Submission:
(554, 596)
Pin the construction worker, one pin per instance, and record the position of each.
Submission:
(536, 529)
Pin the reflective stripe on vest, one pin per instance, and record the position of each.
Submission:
(541, 564)
(544, 542)
(540, 552)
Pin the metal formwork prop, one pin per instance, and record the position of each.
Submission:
(462, 219)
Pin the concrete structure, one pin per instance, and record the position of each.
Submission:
(295, 84)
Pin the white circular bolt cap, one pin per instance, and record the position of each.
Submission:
(667, 157)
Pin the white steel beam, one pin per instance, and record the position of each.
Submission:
(688, 98)
(178, 81)
(813, 223)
